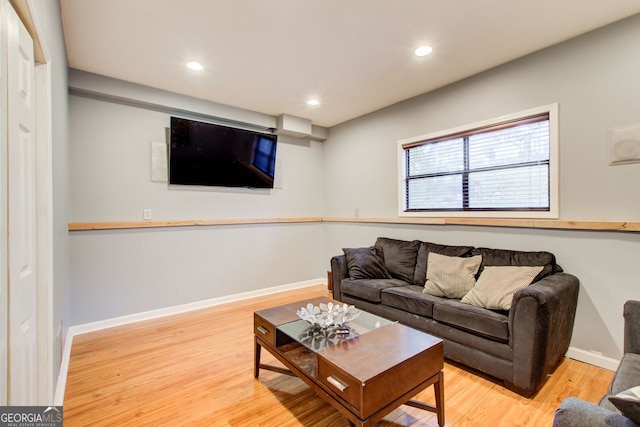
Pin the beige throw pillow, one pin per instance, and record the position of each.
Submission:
(496, 286)
(450, 276)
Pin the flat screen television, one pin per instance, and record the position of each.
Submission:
(214, 155)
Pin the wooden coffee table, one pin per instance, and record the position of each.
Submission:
(366, 374)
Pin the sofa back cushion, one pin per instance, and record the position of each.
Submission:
(399, 257)
(420, 274)
(506, 257)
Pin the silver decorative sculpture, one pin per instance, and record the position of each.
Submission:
(325, 315)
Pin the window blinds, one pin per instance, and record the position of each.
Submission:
(504, 167)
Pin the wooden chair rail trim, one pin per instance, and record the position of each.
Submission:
(83, 226)
(602, 225)
(594, 225)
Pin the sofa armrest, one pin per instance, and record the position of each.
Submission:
(574, 412)
(540, 325)
(632, 327)
(339, 271)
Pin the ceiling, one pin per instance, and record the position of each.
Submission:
(354, 56)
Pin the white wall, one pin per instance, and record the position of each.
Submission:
(116, 273)
(111, 172)
(122, 272)
(594, 78)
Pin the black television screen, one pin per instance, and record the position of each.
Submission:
(208, 154)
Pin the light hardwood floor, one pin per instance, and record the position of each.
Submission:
(196, 369)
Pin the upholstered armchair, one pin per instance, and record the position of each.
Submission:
(574, 412)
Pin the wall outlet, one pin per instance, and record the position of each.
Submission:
(357, 212)
(146, 214)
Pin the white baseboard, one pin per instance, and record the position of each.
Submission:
(593, 358)
(154, 314)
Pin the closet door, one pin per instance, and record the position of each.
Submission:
(21, 204)
(4, 289)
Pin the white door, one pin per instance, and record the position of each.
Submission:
(4, 290)
(21, 196)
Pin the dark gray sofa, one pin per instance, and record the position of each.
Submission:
(520, 346)
(574, 412)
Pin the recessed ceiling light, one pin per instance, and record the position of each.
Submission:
(195, 66)
(423, 51)
(313, 102)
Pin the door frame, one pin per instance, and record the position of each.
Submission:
(46, 339)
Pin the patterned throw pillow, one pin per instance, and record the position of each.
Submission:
(497, 285)
(449, 276)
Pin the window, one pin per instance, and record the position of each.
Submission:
(502, 167)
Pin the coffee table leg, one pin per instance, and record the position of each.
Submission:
(438, 387)
(256, 359)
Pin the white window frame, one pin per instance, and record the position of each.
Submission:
(553, 212)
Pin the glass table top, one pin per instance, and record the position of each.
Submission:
(316, 338)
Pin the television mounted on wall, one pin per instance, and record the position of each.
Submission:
(208, 154)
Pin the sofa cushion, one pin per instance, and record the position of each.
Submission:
(628, 402)
(410, 298)
(450, 276)
(420, 274)
(497, 285)
(365, 263)
(399, 257)
(519, 258)
(368, 289)
(491, 324)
